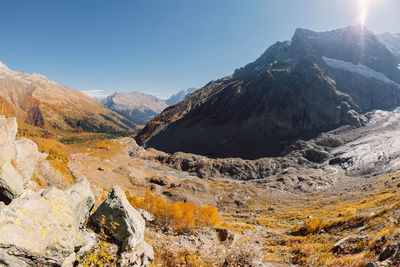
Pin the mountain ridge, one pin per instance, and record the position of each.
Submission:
(290, 92)
(43, 103)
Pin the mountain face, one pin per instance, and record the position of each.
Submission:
(38, 101)
(392, 42)
(296, 90)
(136, 107)
(178, 97)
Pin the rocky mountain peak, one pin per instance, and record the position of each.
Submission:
(296, 89)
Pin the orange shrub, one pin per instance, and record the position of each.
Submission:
(6, 108)
(179, 216)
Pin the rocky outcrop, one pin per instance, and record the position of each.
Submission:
(19, 160)
(11, 183)
(44, 227)
(26, 157)
(48, 227)
(8, 130)
(128, 228)
(82, 200)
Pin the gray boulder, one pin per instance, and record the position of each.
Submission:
(128, 228)
(11, 183)
(82, 201)
(26, 157)
(8, 130)
(43, 228)
(10, 261)
(117, 210)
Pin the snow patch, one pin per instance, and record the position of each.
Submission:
(359, 69)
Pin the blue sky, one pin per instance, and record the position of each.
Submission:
(162, 46)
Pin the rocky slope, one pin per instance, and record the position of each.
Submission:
(51, 227)
(38, 101)
(314, 83)
(306, 166)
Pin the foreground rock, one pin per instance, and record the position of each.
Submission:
(26, 157)
(127, 226)
(11, 183)
(82, 200)
(44, 227)
(8, 130)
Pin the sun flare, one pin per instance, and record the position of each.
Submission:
(363, 5)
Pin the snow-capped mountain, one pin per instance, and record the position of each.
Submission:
(297, 89)
(175, 98)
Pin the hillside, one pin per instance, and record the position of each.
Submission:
(38, 101)
(297, 89)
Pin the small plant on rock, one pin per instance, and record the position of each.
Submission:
(104, 253)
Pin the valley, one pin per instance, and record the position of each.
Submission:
(293, 160)
(281, 227)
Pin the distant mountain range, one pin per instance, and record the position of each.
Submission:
(139, 107)
(38, 101)
(136, 107)
(178, 97)
(297, 89)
